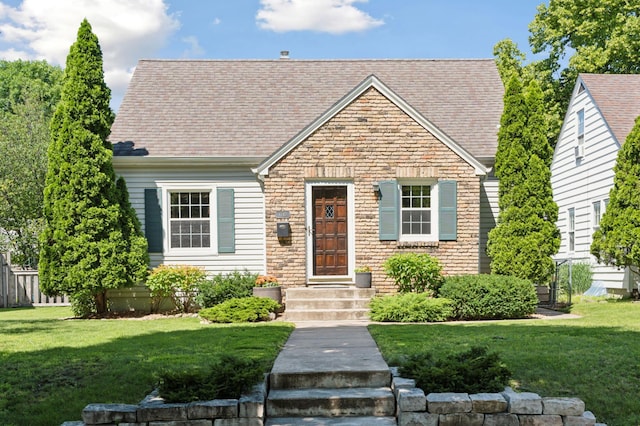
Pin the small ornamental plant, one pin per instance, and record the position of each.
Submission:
(363, 269)
(267, 281)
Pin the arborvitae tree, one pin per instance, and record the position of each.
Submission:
(92, 240)
(617, 241)
(526, 235)
(509, 159)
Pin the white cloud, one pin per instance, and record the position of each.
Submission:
(331, 16)
(127, 30)
(194, 47)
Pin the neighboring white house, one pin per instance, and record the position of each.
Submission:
(600, 115)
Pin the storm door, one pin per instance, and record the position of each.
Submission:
(330, 251)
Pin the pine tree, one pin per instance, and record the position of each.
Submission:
(92, 240)
(526, 236)
(617, 241)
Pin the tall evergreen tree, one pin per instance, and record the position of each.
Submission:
(92, 240)
(525, 237)
(617, 241)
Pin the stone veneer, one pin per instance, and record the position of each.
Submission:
(368, 141)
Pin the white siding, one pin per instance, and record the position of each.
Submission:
(488, 219)
(249, 214)
(579, 182)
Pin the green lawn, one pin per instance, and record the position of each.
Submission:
(595, 358)
(51, 368)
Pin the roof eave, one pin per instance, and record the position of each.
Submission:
(148, 161)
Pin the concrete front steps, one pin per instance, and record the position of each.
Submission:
(330, 376)
(327, 303)
(347, 399)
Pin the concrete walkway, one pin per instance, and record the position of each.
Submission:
(329, 346)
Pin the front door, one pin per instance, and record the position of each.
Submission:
(330, 252)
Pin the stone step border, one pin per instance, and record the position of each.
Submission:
(507, 408)
(414, 408)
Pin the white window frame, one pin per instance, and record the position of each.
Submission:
(434, 235)
(571, 230)
(596, 213)
(580, 133)
(167, 189)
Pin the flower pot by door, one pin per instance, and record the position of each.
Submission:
(363, 279)
(274, 293)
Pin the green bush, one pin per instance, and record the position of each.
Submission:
(477, 297)
(226, 286)
(178, 283)
(474, 371)
(414, 272)
(581, 277)
(244, 309)
(229, 377)
(83, 304)
(410, 307)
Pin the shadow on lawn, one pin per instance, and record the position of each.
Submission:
(51, 386)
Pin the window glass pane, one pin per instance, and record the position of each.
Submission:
(187, 228)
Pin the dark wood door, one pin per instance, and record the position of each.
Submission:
(330, 230)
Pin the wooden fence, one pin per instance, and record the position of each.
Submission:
(21, 288)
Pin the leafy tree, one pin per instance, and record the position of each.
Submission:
(37, 79)
(28, 92)
(617, 241)
(587, 36)
(92, 240)
(526, 236)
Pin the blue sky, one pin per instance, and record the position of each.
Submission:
(130, 30)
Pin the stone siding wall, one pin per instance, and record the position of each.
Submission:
(370, 140)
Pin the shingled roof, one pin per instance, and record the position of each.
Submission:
(617, 96)
(250, 108)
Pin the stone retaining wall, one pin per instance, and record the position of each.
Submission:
(414, 408)
(506, 408)
(153, 411)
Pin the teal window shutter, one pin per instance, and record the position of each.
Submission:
(153, 219)
(388, 210)
(226, 221)
(447, 210)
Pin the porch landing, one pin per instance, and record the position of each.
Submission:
(327, 302)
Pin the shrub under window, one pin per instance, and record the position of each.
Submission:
(476, 297)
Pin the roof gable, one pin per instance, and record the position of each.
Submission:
(250, 108)
(370, 82)
(617, 97)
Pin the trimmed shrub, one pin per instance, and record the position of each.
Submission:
(179, 283)
(228, 377)
(473, 371)
(226, 286)
(413, 272)
(581, 277)
(245, 309)
(410, 307)
(476, 297)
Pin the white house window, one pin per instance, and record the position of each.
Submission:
(572, 229)
(580, 134)
(597, 214)
(416, 212)
(190, 219)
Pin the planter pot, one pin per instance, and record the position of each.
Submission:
(363, 279)
(274, 293)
